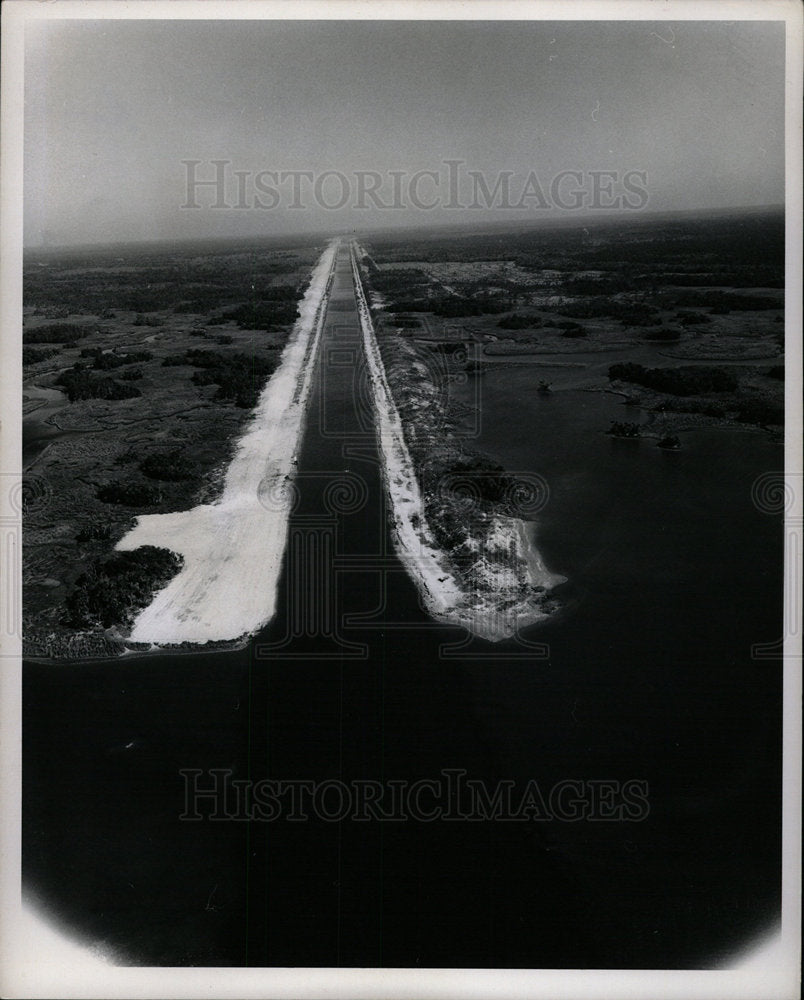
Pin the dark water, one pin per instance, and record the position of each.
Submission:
(37, 432)
(648, 675)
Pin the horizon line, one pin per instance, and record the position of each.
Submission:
(466, 225)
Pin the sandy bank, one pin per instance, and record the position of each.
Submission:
(506, 587)
(233, 548)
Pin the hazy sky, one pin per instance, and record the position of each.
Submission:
(113, 108)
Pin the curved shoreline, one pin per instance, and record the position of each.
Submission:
(506, 589)
(233, 548)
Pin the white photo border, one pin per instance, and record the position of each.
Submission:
(36, 960)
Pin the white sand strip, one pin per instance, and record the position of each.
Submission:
(414, 542)
(233, 548)
(508, 565)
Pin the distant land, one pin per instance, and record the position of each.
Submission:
(465, 227)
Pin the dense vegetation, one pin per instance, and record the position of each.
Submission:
(130, 493)
(113, 590)
(56, 333)
(717, 300)
(95, 531)
(409, 290)
(108, 360)
(450, 306)
(476, 478)
(169, 466)
(629, 313)
(407, 322)
(267, 313)
(33, 355)
(688, 380)
(195, 278)
(239, 377)
(745, 250)
(629, 272)
(80, 383)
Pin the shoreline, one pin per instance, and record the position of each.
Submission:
(508, 580)
(233, 548)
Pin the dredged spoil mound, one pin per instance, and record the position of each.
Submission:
(233, 549)
(474, 564)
